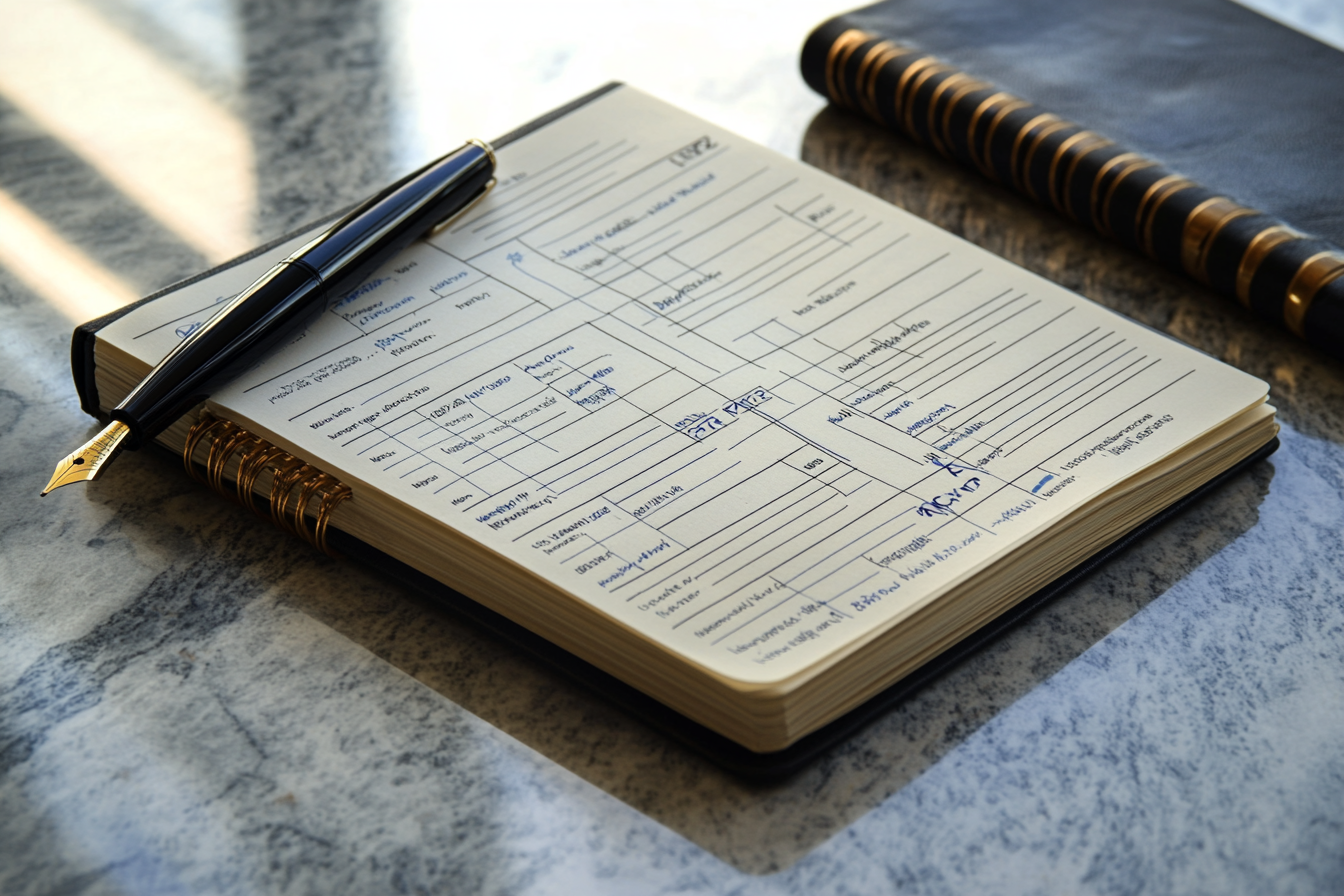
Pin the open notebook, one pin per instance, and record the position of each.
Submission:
(736, 434)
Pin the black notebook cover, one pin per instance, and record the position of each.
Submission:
(719, 749)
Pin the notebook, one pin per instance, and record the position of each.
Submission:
(749, 449)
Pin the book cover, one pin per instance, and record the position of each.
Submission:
(1197, 132)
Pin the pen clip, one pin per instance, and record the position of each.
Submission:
(437, 228)
(489, 185)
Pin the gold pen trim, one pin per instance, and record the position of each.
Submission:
(489, 150)
(88, 462)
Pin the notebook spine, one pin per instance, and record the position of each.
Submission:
(1289, 277)
(297, 497)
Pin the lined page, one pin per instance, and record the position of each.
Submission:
(723, 397)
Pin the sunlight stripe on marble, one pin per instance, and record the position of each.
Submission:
(166, 144)
(60, 273)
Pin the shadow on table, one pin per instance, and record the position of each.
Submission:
(763, 828)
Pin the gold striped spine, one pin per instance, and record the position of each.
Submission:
(988, 164)
(909, 103)
(845, 44)
(1087, 139)
(1094, 199)
(1311, 276)
(1159, 192)
(867, 78)
(911, 70)
(1025, 177)
(974, 124)
(873, 52)
(1101, 215)
(1201, 230)
(841, 64)
(957, 79)
(1263, 243)
(1017, 144)
(951, 107)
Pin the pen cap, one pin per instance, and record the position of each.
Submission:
(381, 226)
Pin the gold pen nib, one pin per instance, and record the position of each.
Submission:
(88, 462)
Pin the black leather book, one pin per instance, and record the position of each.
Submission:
(1195, 131)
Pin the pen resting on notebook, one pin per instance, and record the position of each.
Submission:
(285, 298)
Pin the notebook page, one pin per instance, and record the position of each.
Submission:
(729, 400)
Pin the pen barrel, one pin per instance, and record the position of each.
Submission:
(254, 322)
(293, 292)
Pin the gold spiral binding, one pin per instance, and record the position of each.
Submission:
(293, 475)
(295, 484)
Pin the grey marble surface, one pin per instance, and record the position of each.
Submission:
(192, 703)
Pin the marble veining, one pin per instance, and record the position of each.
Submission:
(193, 703)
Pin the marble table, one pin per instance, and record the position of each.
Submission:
(192, 703)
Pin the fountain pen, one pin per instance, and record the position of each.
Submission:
(285, 298)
